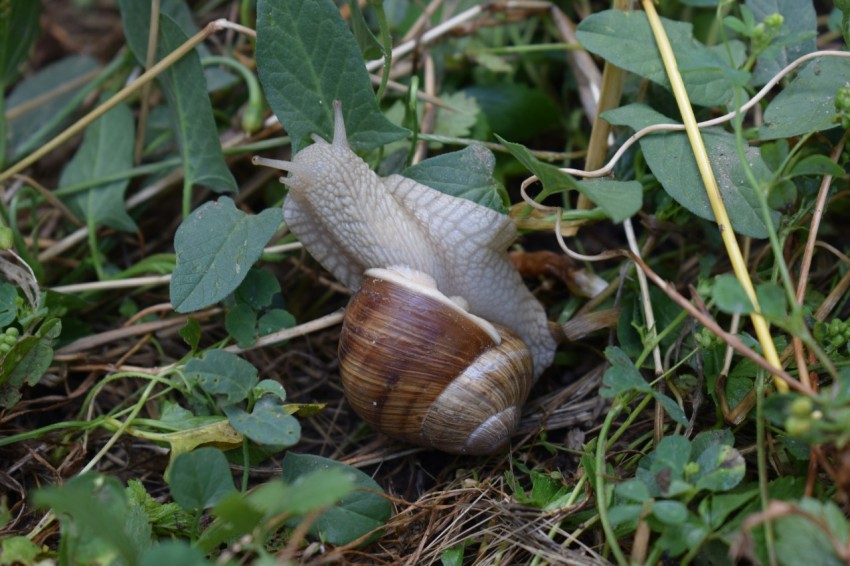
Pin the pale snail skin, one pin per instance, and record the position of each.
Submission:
(351, 220)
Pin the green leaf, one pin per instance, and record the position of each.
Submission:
(27, 362)
(622, 376)
(816, 165)
(313, 490)
(670, 512)
(235, 516)
(222, 373)
(8, 308)
(721, 468)
(306, 59)
(807, 103)
(772, 301)
(216, 245)
(173, 552)
(800, 20)
(19, 26)
(671, 408)
(730, 295)
(270, 387)
(191, 333)
(97, 523)
(200, 479)
(671, 159)
(268, 423)
(799, 540)
(356, 514)
(618, 200)
(19, 550)
(58, 85)
(274, 321)
(626, 40)
(515, 111)
(633, 490)
(724, 504)
(257, 289)
(107, 149)
(467, 174)
(241, 323)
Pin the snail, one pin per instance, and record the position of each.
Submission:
(435, 291)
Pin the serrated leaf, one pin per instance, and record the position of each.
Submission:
(268, 423)
(800, 19)
(671, 159)
(222, 373)
(807, 104)
(306, 59)
(625, 39)
(356, 514)
(216, 245)
(107, 149)
(467, 174)
(200, 479)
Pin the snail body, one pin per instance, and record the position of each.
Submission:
(415, 365)
(351, 221)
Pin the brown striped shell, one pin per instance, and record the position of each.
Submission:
(418, 367)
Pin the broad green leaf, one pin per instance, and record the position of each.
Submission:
(816, 165)
(671, 159)
(807, 104)
(625, 39)
(200, 479)
(97, 523)
(800, 540)
(467, 173)
(173, 552)
(268, 423)
(618, 200)
(107, 149)
(222, 373)
(730, 295)
(61, 86)
(356, 514)
(515, 111)
(307, 58)
(800, 21)
(216, 246)
(27, 361)
(19, 26)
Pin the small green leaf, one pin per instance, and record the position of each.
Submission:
(816, 165)
(356, 514)
(772, 301)
(721, 468)
(274, 321)
(670, 512)
(241, 323)
(671, 408)
(467, 173)
(107, 149)
(799, 20)
(27, 362)
(270, 387)
(633, 490)
(306, 59)
(268, 423)
(257, 289)
(313, 490)
(19, 550)
(8, 308)
(200, 479)
(235, 515)
(191, 333)
(622, 376)
(730, 296)
(216, 246)
(222, 373)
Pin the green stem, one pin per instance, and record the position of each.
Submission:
(91, 226)
(252, 118)
(761, 453)
(386, 44)
(601, 499)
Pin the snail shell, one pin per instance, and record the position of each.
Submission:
(417, 366)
